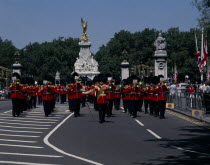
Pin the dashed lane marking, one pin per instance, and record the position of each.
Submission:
(7, 130)
(20, 141)
(61, 151)
(36, 155)
(182, 149)
(154, 134)
(37, 125)
(25, 121)
(19, 135)
(23, 146)
(24, 163)
(140, 123)
(21, 127)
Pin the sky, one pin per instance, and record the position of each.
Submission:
(25, 21)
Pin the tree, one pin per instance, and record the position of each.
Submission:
(204, 8)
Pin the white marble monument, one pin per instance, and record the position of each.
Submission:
(160, 57)
(85, 65)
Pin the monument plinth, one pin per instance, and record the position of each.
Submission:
(160, 57)
(86, 65)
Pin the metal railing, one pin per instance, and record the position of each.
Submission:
(185, 101)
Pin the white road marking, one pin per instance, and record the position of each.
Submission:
(23, 154)
(24, 163)
(61, 151)
(8, 111)
(6, 130)
(20, 141)
(18, 135)
(22, 127)
(24, 146)
(154, 134)
(30, 118)
(24, 124)
(139, 122)
(25, 121)
(182, 149)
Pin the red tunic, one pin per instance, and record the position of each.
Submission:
(76, 91)
(47, 93)
(110, 92)
(161, 92)
(102, 98)
(16, 91)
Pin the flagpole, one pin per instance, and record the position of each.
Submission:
(202, 55)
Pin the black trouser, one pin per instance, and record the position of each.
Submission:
(110, 106)
(155, 108)
(70, 105)
(117, 103)
(139, 105)
(162, 107)
(102, 110)
(16, 106)
(33, 101)
(146, 103)
(39, 100)
(150, 107)
(132, 107)
(95, 103)
(30, 103)
(83, 101)
(125, 105)
(63, 98)
(76, 106)
(47, 107)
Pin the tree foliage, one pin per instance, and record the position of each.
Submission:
(140, 48)
(7, 51)
(42, 60)
(204, 8)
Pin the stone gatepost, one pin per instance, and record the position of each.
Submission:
(124, 70)
(160, 57)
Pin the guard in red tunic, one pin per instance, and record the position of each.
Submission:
(110, 96)
(70, 96)
(62, 92)
(162, 99)
(146, 99)
(117, 97)
(125, 96)
(17, 97)
(76, 96)
(47, 98)
(102, 99)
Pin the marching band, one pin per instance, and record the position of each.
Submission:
(104, 92)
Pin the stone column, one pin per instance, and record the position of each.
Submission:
(161, 58)
(124, 70)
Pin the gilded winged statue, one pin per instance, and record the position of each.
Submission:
(84, 26)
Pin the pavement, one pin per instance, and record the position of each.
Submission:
(204, 118)
(62, 139)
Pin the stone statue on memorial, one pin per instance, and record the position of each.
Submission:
(84, 37)
(160, 43)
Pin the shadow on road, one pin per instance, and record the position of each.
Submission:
(194, 144)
